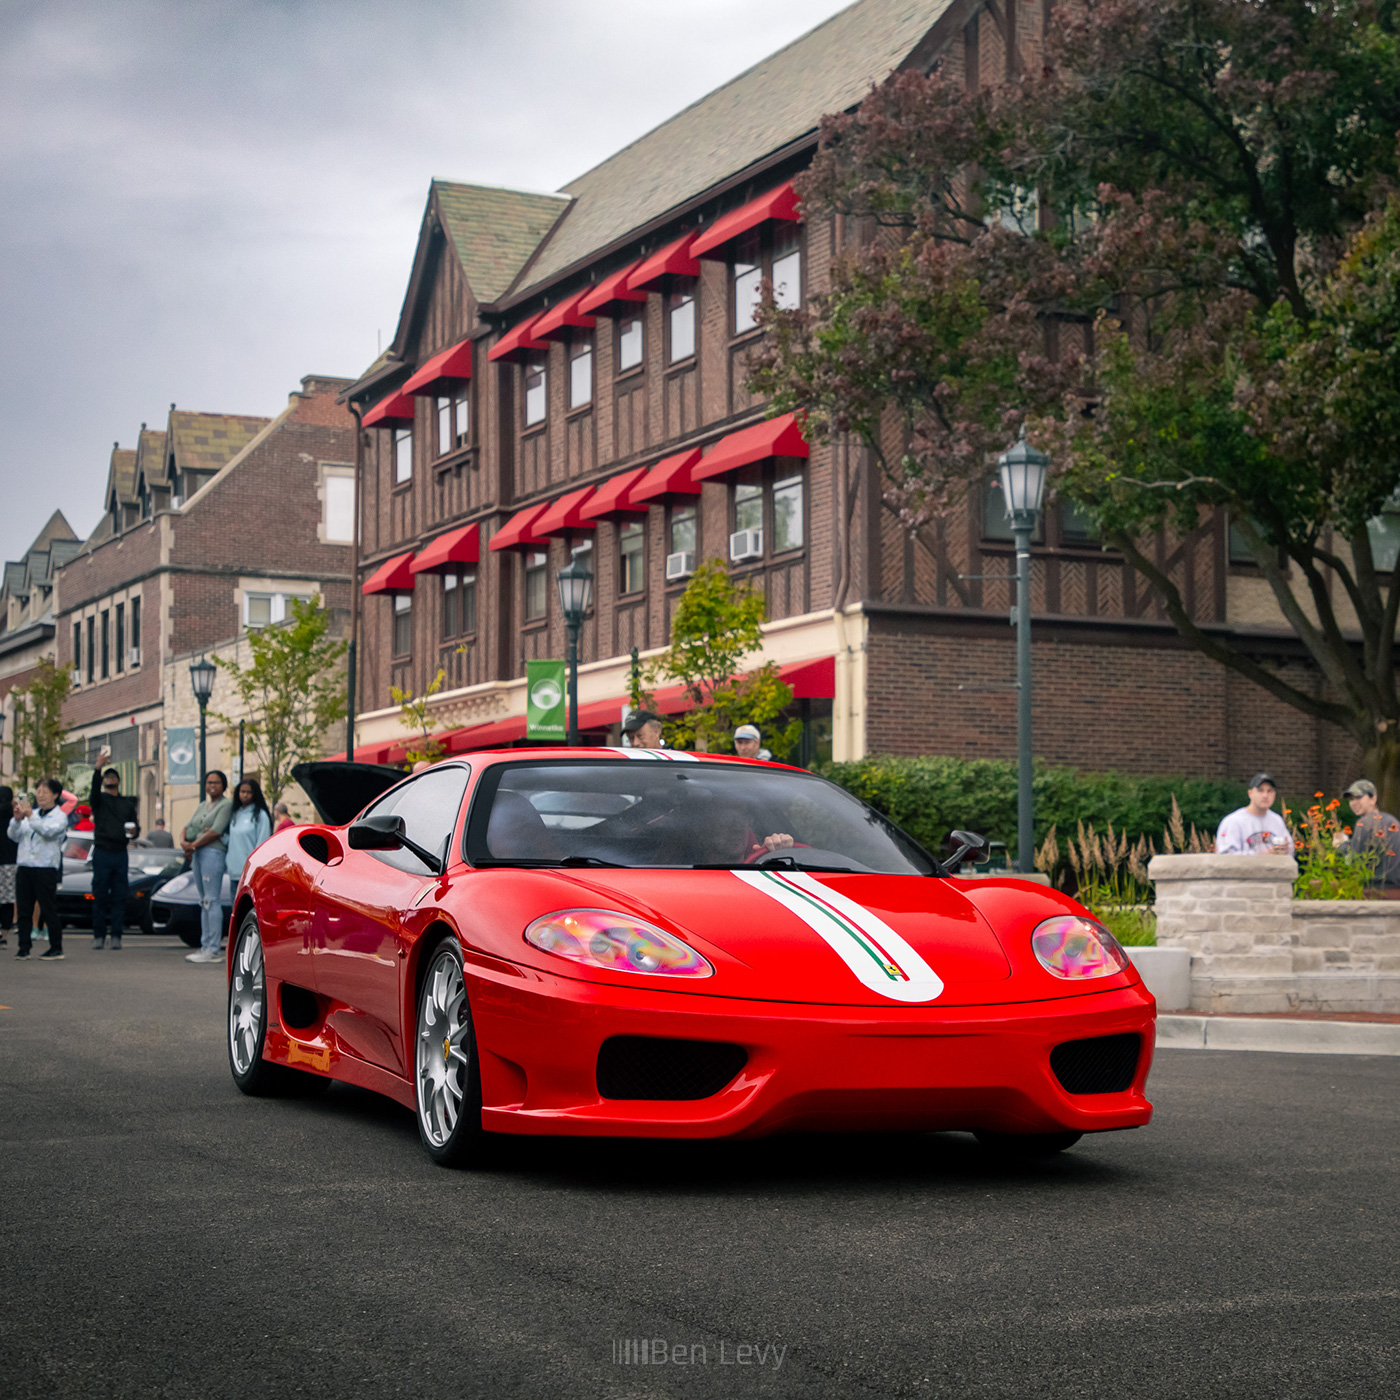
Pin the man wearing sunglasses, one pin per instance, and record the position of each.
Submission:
(114, 824)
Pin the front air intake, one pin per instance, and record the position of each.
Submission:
(646, 1067)
(1104, 1065)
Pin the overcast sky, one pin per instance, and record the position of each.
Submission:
(203, 200)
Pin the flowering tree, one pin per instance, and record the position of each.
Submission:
(1170, 252)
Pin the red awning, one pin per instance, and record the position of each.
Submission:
(778, 437)
(558, 319)
(612, 296)
(452, 363)
(614, 497)
(563, 515)
(672, 476)
(389, 413)
(447, 551)
(517, 341)
(517, 532)
(496, 733)
(776, 204)
(675, 259)
(392, 576)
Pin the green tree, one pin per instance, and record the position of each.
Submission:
(292, 690)
(413, 714)
(716, 624)
(39, 728)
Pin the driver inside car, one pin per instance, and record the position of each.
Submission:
(707, 830)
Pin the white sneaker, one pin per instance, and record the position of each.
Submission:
(204, 956)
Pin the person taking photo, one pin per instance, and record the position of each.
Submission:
(113, 825)
(39, 833)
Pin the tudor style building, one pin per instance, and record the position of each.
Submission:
(568, 378)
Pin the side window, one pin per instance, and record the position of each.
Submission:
(428, 805)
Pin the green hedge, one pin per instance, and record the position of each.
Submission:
(928, 797)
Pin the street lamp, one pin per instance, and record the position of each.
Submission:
(575, 582)
(1023, 487)
(202, 683)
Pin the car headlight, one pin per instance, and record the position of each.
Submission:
(180, 882)
(600, 938)
(1074, 948)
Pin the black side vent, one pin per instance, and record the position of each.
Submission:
(316, 846)
(1104, 1065)
(643, 1067)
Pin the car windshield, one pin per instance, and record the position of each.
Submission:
(680, 814)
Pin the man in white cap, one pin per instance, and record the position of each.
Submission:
(748, 742)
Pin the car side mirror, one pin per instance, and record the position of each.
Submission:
(386, 833)
(966, 843)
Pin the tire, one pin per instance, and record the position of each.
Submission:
(247, 1025)
(1025, 1145)
(446, 1074)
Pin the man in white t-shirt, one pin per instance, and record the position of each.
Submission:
(1256, 830)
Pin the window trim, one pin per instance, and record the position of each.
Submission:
(406, 613)
(692, 292)
(764, 236)
(527, 424)
(398, 435)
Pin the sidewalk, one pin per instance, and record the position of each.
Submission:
(1301, 1032)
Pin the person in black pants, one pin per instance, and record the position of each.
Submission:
(113, 825)
(9, 853)
(40, 834)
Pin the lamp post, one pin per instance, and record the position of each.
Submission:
(3, 718)
(575, 582)
(1023, 487)
(202, 683)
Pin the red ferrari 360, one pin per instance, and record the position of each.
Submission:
(643, 943)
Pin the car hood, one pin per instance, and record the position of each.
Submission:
(836, 939)
(340, 791)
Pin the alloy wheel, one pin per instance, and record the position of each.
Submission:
(247, 1001)
(444, 1048)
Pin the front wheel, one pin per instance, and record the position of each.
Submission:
(447, 1076)
(1025, 1145)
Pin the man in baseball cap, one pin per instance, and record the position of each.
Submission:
(643, 729)
(748, 742)
(1376, 833)
(1255, 829)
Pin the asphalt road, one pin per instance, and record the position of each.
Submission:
(165, 1236)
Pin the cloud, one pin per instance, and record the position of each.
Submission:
(201, 203)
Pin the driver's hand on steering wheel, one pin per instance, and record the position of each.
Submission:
(778, 841)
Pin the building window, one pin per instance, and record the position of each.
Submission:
(787, 514)
(91, 650)
(536, 586)
(121, 637)
(581, 372)
(403, 455)
(996, 523)
(748, 281)
(787, 266)
(106, 643)
(536, 385)
(403, 624)
(680, 323)
(135, 631)
(632, 547)
(1075, 526)
(629, 342)
(775, 253)
(77, 649)
(338, 508)
(453, 420)
(458, 604)
(265, 609)
(748, 507)
(683, 530)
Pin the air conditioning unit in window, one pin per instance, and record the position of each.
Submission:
(135, 656)
(745, 544)
(679, 565)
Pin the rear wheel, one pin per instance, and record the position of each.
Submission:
(1027, 1144)
(446, 1073)
(247, 1024)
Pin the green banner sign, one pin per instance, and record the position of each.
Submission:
(546, 714)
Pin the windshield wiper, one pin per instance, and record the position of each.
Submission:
(592, 860)
(781, 863)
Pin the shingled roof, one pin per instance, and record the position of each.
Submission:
(764, 109)
(203, 442)
(150, 455)
(121, 477)
(494, 231)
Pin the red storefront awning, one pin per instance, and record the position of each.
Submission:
(614, 497)
(517, 341)
(671, 476)
(447, 551)
(675, 260)
(496, 733)
(392, 576)
(612, 296)
(561, 516)
(558, 319)
(776, 204)
(453, 363)
(778, 437)
(518, 532)
(391, 412)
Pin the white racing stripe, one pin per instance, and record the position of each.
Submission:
(663, 755)
(879, 957)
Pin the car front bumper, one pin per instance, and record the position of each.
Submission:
(809, 1068)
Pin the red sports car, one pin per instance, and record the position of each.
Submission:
(645, 943)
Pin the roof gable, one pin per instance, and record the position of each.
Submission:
(121, 477)
(494, 231)
(204, 442)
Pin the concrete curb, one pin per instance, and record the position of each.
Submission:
(1268, 1033)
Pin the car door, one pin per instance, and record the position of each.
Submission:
(361, 906)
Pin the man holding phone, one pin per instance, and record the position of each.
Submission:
(39, 832)
(113, 825)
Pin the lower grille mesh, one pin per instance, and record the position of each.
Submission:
(1104, 1065)
(646, 1067)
